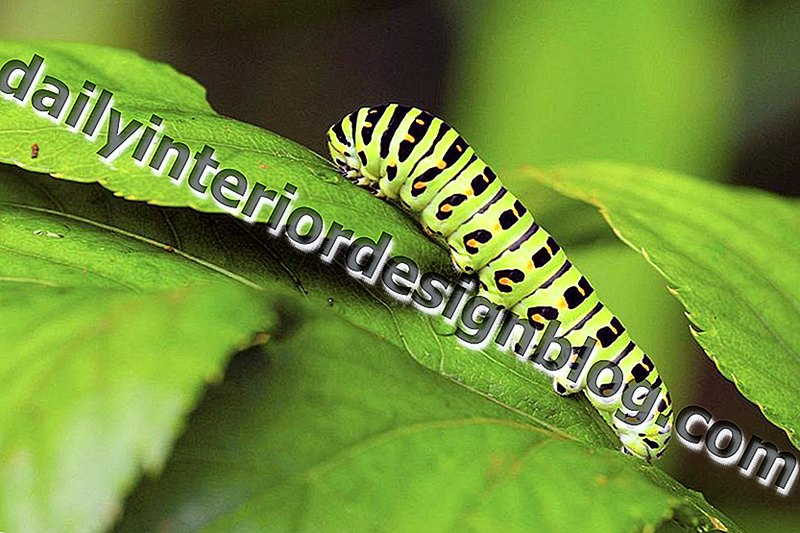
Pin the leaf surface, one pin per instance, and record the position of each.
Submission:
(355, 436)
(96, 383)
(61, 235)
(731, 257)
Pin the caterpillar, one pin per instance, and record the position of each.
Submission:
(417, 161)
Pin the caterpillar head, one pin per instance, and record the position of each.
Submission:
(342, 147)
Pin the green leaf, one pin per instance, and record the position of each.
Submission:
(142, 88)
(96, 383)
(356, 436)
(62, 234)
(228, 248)
(730, 256)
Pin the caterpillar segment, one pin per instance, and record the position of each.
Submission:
(416, 160)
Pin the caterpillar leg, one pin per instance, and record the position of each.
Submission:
(644, 445)
(564, 387)
(562, 384)
(648, 439)
(366, 183)
(649, 443)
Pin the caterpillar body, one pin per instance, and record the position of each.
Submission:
(417, 161)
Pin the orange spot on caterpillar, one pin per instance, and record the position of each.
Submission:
(446, 208)
(504, 281)
(419, 185)
(409, 138)
(472, 243)
(529, 265)
(367, 124)
(458, 147)
(441, 165)
(420, 122)
(562, 303)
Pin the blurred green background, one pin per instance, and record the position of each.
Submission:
(707, 88)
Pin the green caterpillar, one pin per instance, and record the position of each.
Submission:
(415, 160)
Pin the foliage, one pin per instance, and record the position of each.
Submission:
(119, 311)
(730, 256)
